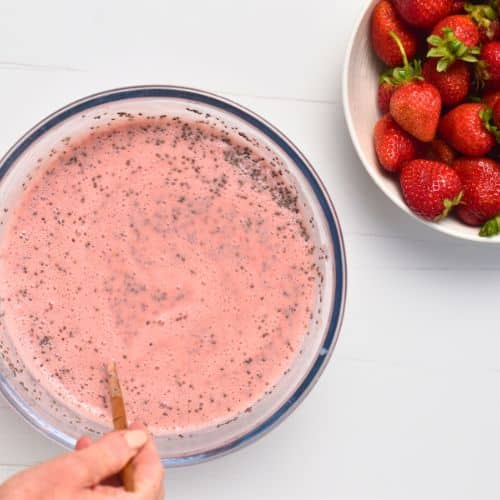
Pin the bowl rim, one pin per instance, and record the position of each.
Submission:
(367, 164)
(326, 206)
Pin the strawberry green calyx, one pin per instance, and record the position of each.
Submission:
(483, 15)
(491, 228)
(474, 98)
(448, 48)
(486, 115)
(403, 74)
(448, 205)
(410, 71)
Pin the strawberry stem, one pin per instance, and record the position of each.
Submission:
(449, 204)
(403, 74)
(399, 43)
(491, 228)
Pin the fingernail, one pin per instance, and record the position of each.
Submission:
(135, 439)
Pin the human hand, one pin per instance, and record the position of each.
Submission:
(90, 472)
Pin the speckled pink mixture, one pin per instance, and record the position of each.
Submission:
(171, 248)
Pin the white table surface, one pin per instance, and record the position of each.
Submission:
(409, 406)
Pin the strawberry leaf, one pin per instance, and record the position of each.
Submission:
(483, 15)
(470, 58)
(486, 115)
(434, 40)
(491, 228)
(449, 49)
(443, 64)
(474, 98)
(448, 205)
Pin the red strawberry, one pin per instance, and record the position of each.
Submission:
(453, 84)
(423, 13)
(463, 27)
(492, 33)
(467, 217)
(394, 77)
(454, 37)
(488, 68)
(490, 98)
(481, 185)
(495, 30)
(486, 18)
(385, 91)
(496, 114)
(416, 107)
(440, 151)
(384, 20)
(457, 7)
(393, 145)
(431, 188)
(463, 129)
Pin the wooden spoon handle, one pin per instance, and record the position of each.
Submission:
(119, 421)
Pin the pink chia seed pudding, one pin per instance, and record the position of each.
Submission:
(171, 247)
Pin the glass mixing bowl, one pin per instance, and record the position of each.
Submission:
(50, 415)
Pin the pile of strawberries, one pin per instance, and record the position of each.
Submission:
(440, 130)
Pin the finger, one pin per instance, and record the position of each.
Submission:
(105, 457)
(85, 442)
(148, 470)
(82, 443)
(104, 492)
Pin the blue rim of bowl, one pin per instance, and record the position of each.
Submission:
(339, 261)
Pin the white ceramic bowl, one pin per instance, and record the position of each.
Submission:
(360, 84)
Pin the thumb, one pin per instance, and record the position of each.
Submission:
(106, 457)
